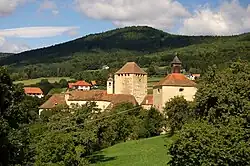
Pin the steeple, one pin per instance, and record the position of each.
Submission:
(176, 65)
(110, 85)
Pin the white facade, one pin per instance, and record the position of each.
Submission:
(82, 87)
(36, 95)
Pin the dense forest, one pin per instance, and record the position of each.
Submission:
(144, 45)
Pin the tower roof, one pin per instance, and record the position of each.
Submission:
(176, 79)
(131, 68)
(176, 60)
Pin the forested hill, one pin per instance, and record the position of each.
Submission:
(144, 45)
(142, 39)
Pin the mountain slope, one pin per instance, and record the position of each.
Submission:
(144, 45)
(142, 39)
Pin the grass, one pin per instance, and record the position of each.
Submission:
(37, 80)
(144, 152)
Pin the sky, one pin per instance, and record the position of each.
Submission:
(31, 24)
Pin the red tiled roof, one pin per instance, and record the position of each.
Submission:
(79, 83)
(32, 90)
(101, 95)
(148, 100)
(53, 101)
(131, 68)
(176, 79)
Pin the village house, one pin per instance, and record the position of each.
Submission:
(174, 84)
(129, 85)
(34, 92)
(80, 85)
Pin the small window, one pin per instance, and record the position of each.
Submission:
(181, 89)
(109, 83)
(158, 90)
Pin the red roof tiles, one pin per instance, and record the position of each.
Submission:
(32, 90)
(176, 79)
(53, 101)
(131, 68)
(148, 100)
(79, 83)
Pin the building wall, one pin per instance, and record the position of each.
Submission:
(146, 107)
(36, 95)
(83, 87)
(165, 93)
(100, 104)
(157, 98)
(110, 87)
(134, 84)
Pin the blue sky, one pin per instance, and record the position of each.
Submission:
(29, 24)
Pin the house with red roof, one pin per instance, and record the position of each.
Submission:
(174, 84)
(80, 85)
(33, 91)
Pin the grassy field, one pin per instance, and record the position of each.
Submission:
(144, 152)
(37, 80)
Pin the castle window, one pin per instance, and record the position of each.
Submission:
(118, 74)
(109, 83)
(158, 90)
(181, 89)
(122, 74)
(128, 74)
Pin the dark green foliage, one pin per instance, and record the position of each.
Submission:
(16, 111)
(223, 94)
(220, 135)
(200, 143)
(177, 111)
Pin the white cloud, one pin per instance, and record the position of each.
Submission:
(230, 18)
(8, 6)
(49, 5)
(37, 32)
(12, 47)
(163, 14)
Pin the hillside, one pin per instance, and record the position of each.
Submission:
(143, 45)
(144, 152)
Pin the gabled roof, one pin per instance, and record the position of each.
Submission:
(131, 68)
(176, 79)
(101, 95)
(176, 60)
(32, 90)
(53, 101)
(148, 100)
(79, 83)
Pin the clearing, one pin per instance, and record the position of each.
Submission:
(144, 152)
(37, 80)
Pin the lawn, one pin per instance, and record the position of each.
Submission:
(144, 152)
(37, 80)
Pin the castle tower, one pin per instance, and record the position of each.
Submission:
(176, 65)
(110, 85)
(131, 79)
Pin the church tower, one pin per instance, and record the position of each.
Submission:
(131, 79)
(176, 65)
(110, 85)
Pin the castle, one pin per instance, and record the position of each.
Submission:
(129, 84)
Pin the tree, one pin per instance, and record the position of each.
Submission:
(152, 70)
(13, 117)
(177, 112)
(226, 93)
(201, 143)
